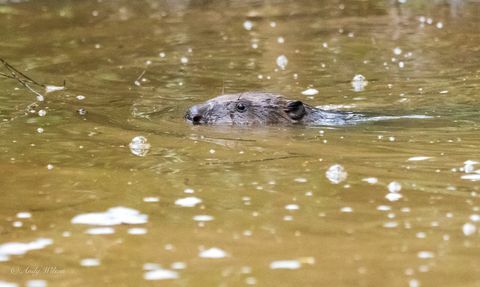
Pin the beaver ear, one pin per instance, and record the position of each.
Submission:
(295, 110)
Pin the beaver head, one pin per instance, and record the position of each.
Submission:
(253, 108)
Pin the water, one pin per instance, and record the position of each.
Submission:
(222, 206)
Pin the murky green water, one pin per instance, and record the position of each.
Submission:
(273, 216)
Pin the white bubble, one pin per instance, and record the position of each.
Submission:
(40, 130)
(160, 274)
(292, 207)
(336, 174)
(90, 262)
(248, 25)
(178, 265)
(188, 201)
(139, 146)
(7, 284)
(310, 92)
(425, 255)
(285, 264)
(137, 231)
(113, 216)
(346, 209)
(184, 60)
(469, 229)
(24, 215)
(439, 25)
(359, 83)
(280, 40)
(371, 180)
(213, 253)
(394, 186)
(151, 199)
(203, 218)
(393, 196)
(282, 62)
(34, 283)
(80, 97)
(397, 51)
(100, 231)
(42, 113)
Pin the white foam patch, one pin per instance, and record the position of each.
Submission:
(100, 231)
(371, 180)
(113, 216)
(188, 201)
(310, 92)
(36, 283)
(160, 274)
(137, 231)
(90, 262)
(203, 218)
(213, 253)
(7, 284)
(285, 264)
(472, 177)
(19, 248)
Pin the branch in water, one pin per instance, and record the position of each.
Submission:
(26, 81)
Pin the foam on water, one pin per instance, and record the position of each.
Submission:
(285, 264)
(113, 216)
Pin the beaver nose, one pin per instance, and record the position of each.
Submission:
(195, 114)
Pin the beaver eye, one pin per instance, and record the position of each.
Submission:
(240, 107)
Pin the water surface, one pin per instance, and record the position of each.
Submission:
(240, 206)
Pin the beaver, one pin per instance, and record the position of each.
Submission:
(260, 108)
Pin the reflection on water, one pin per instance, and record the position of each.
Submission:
(379, 203)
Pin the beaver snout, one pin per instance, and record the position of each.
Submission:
(196, 114)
